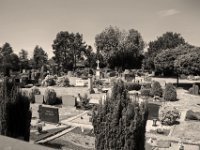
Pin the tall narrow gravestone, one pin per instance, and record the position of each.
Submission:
(48, 114)
(98, 70)
(196, 89)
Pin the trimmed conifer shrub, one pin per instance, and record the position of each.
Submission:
(50, 97)
(15, 114)
(120, 123)
(170, 92)
(156, 89)
(133, 86)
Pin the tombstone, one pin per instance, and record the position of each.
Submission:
(80, 83)
(98, 70)
(90, 85)
(39, 99)
(48, 114)
(195, 89)
(68, 100)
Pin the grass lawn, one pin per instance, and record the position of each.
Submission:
(188, 130)
(34, 136)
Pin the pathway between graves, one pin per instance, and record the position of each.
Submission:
(55, 136)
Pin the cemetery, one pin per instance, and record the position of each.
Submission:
(113, 89)
(66, 114)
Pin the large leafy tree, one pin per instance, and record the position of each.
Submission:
(67, 49)
(120, 123)
(40, 57)
(164, 61)
(8, 60)
(23, 58)
(188, 63)
(168, 40)
(120, 49)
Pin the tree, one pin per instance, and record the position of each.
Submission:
(120, 123)
(168, 40)
(164, 61)
(23, 59)
(67, 49)
(90, 57)
(8, 60)
(40, 57)
(188, 63)
(120, 49)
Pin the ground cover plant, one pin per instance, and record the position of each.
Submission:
(168, 115)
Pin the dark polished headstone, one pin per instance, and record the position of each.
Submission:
(48, 114)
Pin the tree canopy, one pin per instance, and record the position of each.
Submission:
(8, 59)
(67, 49)
(168, 40)
(120, 49)
(40, 57)
(182, 59)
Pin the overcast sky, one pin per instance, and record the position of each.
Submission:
(27, 23)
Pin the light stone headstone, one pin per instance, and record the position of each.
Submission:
(68, 100)
(39, 99)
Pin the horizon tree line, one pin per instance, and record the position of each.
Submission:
(116, 49)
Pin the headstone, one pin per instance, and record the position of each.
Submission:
(39, 99)
(48, 114)
(98, 70)
(80, 82)
(90, 84)
(68, 100)
(148, 79)
(195, 89)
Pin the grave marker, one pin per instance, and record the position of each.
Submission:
(68, 100)
(39, 99)
(80, 82)
(48, 114)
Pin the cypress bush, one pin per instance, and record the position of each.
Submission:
(170, 92)
(50, 97)
(133, 86)
(156, 89)
(120, 123)
(15, 114)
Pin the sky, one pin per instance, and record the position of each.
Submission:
(27, 23)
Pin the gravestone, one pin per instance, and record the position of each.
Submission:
(48, 114)
(80, 82)
(39, 99)
(68, 100)
(195, 89)
(98, 70)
